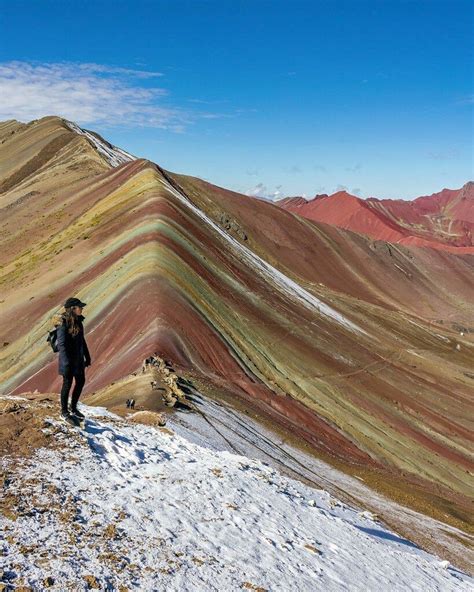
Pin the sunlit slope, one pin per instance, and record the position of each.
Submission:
(443, 220)
(432, 284)
(72, 224)
(355, 344)
(107, 254)
(391, 383)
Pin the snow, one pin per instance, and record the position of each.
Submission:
(221, 427)
(280, 281)
(147, 509)
(114, 156)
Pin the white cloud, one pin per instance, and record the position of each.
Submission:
(88, 93)
(261, 191)
(100, 68)
(275, 195)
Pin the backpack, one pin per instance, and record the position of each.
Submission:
(52, 338)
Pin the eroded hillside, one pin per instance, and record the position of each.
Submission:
(364, 349)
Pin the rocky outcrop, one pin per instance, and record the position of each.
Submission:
(164, 374)
(232, 226)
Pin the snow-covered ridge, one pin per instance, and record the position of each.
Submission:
(281, 281)
(143, 508)
(115, 156)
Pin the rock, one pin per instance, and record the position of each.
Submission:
(163, 372)
(92, 582)
(232, 226)
(170, 401)
(9, 406)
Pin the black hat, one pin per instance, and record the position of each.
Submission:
(73, 302)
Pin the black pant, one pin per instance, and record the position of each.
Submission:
(80, 379)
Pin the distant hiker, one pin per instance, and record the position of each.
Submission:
(132, 403)
(73, 355)
(127, 402)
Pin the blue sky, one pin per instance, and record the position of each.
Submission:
(269, 98)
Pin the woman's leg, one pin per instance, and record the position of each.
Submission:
(67, 382)
(80, 379)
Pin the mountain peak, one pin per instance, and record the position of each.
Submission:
(443, 220)
(468, 189)
(343, 194)
(114, 155)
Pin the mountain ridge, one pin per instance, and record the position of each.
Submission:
(353, 344)
(442, 220)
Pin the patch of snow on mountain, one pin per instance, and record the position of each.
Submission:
(281, 281)
(115, 156)
(135, 507)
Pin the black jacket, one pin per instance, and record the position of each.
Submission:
(73, 351)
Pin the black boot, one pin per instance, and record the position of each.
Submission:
(75, 411)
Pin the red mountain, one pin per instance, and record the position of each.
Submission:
(444, 220)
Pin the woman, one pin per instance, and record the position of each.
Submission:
(73, 355)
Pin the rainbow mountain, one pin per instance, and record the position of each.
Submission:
(362, 349)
